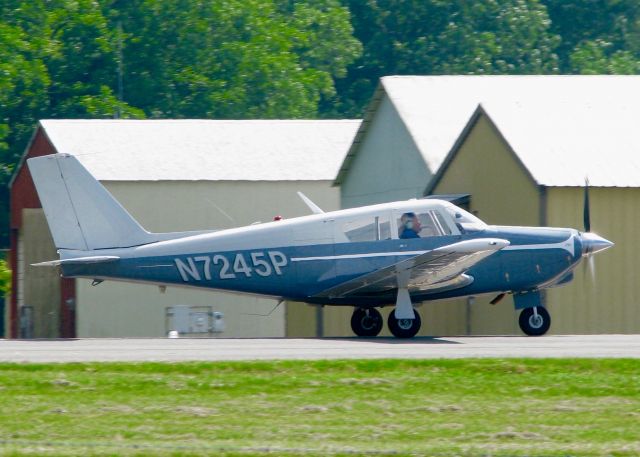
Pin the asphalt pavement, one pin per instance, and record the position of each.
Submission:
(217, 349)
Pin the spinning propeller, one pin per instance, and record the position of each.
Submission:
(591, 243)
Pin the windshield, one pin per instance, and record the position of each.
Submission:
(465, 220)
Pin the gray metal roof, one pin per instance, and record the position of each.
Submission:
(563, 128)
(211, 150)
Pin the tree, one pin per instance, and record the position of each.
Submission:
(598, 36)
(596, 57)
(446, 37)
(179, 58)
(56, 60)
(233, 59)
(5, 278)
(67, 50)
(23, 83)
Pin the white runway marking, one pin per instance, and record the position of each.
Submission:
(217, 349)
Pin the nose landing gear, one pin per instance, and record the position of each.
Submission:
(534, 321)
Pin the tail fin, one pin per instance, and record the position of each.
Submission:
(80, 212)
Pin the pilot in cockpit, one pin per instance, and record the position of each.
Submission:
(410, 226)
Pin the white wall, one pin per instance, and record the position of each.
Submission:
(114, 309)
(387, 166)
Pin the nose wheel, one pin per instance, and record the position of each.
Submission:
(534, 321)
(366, 322)
(404, 328)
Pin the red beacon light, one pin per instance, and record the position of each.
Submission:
(277, 218)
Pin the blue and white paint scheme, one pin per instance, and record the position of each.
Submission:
(392, 254)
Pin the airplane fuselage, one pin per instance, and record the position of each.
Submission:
(535, 258)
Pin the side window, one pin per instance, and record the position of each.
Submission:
(384, 227)
(443, 223)
(421, 225)
(368, 228)
(360, 230)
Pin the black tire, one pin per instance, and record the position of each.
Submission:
(366, 322)
(404, 328)
(532, 326)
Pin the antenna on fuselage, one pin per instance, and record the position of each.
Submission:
(220, 210)
(312, 206)
(281, 301)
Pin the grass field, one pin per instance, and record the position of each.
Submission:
(398, 407)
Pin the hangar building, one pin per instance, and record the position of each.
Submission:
(518, 148)
(171, 175)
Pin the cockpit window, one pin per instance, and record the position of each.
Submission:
(421, 224)
(465, 220)
(443, 223)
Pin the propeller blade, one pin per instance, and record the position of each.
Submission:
(589, 269)
(586, 212)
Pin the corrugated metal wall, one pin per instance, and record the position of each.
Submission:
(503, 194)
(609, 302)
(38, 287)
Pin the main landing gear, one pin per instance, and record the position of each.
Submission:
(404, 328)
(403, 322)
(534, 321)
(367, 322)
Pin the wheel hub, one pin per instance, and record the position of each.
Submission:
(368, 322)
(405, 324)
(536, 321)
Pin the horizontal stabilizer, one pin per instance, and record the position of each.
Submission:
(78, 261)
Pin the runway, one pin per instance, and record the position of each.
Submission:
(215, 349)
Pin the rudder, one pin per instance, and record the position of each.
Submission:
(80, 212)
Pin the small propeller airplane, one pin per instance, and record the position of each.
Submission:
(391, 254)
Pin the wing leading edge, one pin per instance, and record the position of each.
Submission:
(436, 269)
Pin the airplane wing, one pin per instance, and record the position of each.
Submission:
(439, 268)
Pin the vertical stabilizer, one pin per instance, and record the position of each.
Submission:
(80, 212)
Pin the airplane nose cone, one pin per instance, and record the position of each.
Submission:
(592, 243)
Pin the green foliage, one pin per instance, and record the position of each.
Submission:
(599, 57)
(179, 58)
(606, 30)
(446, 37)
(5, 278)
(234, 59)
(23, 83)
